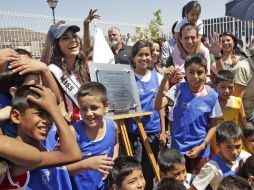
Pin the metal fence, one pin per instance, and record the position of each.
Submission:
(243, 30)
(28, 31)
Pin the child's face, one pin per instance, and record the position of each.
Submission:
(193, 15)
(230, 150)
(155, 52)
(134, 181)
(34, 124)
(143, 58)
(249, 143)
(196, 76)
(92, 110)
(178, 172)
(225, 89)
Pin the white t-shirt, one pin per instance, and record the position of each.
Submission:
(199, 24)
(211, 173)
(148, 76)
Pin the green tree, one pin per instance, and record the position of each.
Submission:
(153, 29)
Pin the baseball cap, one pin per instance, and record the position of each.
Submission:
(57, 30)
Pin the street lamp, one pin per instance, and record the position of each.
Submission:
(52, 5)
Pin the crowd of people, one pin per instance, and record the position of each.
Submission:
(55, 136)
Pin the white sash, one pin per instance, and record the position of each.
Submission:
(69, 84)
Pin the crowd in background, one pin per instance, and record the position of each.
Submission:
(54, 133)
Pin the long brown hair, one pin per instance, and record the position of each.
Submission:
(80, 70)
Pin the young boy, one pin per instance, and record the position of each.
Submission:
(195, 111)
(226, 162)
(231, 106)
(126, 175)
(34, 109)
(248, 134)
(234, 183)
(24, 71)
(172, 165)
(170, 183)
(97, 138)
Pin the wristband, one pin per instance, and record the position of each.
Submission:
(87, 21)
(206, 143)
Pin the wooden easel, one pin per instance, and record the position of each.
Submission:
(120, 120)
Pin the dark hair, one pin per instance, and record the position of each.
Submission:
(228, 130)
(123, 166)
(81, 69)
(224, 75)
(203, 37)
(195, 58)
(191, 5)
(20, 101)
(157, 41)
(137, 46)
(248, 130)
(88, 50)
(240, 42)
(170, 183)
(234, 183)
(23, 52)
(10, 79)
(173, 27)
(93, 89)
(187, 26)
(247, 169)
(234, 38)
(168, 158)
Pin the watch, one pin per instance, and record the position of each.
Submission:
(206, 143)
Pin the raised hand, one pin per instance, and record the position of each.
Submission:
(6, 56)
(216, 44)
(177, 77)
(194, 152)
(169, 73)
(27, 65)
(92, 15)
(47, 99)
(102, 163)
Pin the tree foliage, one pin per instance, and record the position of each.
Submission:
(153, 29)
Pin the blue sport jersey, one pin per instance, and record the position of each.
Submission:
(147, 92)
(91, 179)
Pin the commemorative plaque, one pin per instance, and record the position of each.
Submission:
(121, 87)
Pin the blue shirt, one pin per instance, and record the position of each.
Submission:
(91, 179)
(53, 178)
(191, 117)
(147, 92)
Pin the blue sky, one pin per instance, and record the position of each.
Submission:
(121, 11)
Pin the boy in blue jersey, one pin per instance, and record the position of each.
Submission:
(195, 112)
(34, 109)
(226, 162)
(126, 175)
(172, 165)
(97, 138)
